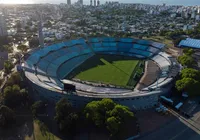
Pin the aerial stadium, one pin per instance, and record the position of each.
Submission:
(130, 71)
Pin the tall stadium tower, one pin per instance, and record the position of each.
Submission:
(94, 2)
(98, 2)
(81, 2)
(68, 2)
(40, 33)
(90, 2)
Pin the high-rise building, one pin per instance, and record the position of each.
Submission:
(3, 28)
(94, 2)
(90, 2)
(98, 2)
(68, 2)
(81, 2)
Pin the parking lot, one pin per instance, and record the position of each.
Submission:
(150, 120)
(154, 124)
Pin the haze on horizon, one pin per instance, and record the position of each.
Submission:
(168, 2)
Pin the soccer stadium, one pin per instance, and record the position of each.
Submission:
(130, 71)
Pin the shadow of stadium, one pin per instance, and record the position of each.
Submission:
(95, 61)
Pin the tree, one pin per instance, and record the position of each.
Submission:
(22, 47)
(188, 85)
(112, 125)
(92, 113)
(187, 61)
(24, 98)
(106, 113)
(122, 113)
(188, 51)
(7, 116)
(14, 79)
(184, 83)
(8, 66)
(37, 108)
(65, 116)
(14, 96)
(177, 41)
(190, 73)
(34, 42)
(11, 95)
(97, 110)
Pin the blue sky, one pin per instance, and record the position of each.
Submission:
(170, 2)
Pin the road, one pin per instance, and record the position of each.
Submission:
(179, 129)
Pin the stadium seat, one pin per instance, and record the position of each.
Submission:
(93, 40)
(124, 47)
(95, 45)
(108, 39)
(68, 66)
(140, 47)
(126, 40)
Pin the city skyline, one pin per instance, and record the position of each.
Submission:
(168, 2)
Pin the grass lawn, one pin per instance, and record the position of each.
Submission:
(161, 39)
(109, 69)
(38, 134)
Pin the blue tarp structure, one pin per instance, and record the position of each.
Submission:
(190, 43)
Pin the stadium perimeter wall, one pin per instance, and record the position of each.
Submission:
(141, 102)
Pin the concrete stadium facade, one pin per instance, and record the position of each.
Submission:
(46, 68)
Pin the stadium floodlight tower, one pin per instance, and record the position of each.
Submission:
(90, 2)
(81, 2)
(98, 2)
(40, 33)
(68, 2)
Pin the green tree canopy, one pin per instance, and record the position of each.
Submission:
(34, 42)
(22, 47)
(14, 79)
(37, 107)
(188, 51)
(190, 73)
(106, 113)
(8, 66)
(122, 113)
(188, 85)
(187, 61)
(7, 116)
(65, 116)
(14, 96)
(185, 83)
(92, 112)
(112, 125)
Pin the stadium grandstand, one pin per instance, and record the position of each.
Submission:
(46, 68)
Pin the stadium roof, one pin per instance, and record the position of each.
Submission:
(190, 43)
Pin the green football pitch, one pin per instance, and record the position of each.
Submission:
(109, 69)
